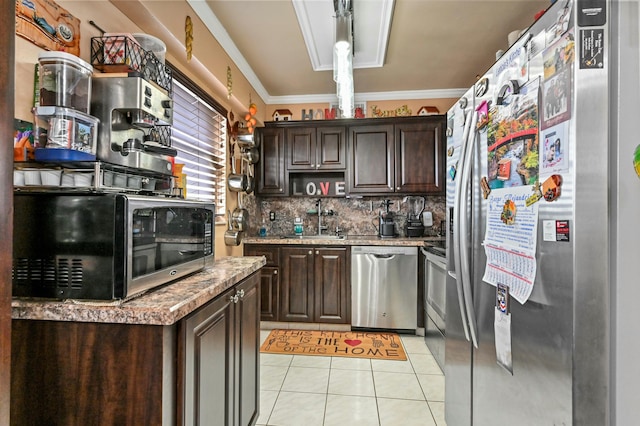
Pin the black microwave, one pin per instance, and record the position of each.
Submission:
(106, 246)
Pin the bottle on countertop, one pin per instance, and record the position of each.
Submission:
(263, 228)
(297, 226)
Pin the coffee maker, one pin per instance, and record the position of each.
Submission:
(386, 224)
(414, 226)
(135, 123)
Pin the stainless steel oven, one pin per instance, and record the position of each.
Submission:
(106, 245)
(435, 264)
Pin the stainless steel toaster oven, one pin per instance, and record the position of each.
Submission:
(106, 246)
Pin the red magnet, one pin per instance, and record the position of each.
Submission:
(551, 187)
(483, 114)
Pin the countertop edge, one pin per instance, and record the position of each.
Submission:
(360, 240)
(163, 305)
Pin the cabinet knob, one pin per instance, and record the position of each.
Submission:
(240, 294)
(313, 165)
(275, 272)
(234, 298)
(397, 188)
(310, 251)
(317, 252)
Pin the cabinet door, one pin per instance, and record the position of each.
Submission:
(269, 287)
(331, 148)
(420, 156)
(209, 364)
(301, 148)
(247, 335)
(296, 285)
(371, 152)
(332, 290)
(272, 177)
(269, 279)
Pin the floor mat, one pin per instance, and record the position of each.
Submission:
(354, 344)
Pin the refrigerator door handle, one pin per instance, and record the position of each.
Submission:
(456, 229)
(464, 230)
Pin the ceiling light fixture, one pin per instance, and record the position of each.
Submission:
(343, 57)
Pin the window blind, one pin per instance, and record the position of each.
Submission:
(199, 134)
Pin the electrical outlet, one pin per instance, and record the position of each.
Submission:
(272, 216)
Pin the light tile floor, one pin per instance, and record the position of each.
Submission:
(299, 390)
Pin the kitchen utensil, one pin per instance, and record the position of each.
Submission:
(232, 237)
(251, 181)
(236, 182)
(246, 140)
(240, 216)
(252, 155)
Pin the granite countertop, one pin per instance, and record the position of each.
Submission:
(163, 305)
(348, 240)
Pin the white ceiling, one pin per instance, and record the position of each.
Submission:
(435, 48)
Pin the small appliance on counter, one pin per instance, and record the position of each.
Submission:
(135, 123)
(64, 130)
(386, 224)
(106, 246)
(414, 226)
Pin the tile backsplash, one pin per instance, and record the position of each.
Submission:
(354, 216)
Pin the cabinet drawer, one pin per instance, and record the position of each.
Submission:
(272, 254)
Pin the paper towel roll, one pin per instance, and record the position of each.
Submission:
(427, 219)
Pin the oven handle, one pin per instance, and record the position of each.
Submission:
(187, 252)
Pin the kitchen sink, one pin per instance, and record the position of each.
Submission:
(314, 237)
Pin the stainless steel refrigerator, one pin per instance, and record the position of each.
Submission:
(541, 190)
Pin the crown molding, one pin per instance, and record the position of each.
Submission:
(369, 96)
(214, 25)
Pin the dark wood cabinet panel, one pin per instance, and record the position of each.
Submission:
(316, 148)
(332, 290)
(247, 355)
(69, 373)
(269, 288)
(301, 148)
(209, 364)
(371, 162)
(296, 285)
(272, 176)
(331, 148)
(419, 157)
(269, 279)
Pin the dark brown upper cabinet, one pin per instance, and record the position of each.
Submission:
(316, 148)
(272, 177)
(419, 157)
(371, 168)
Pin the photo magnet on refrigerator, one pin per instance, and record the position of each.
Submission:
(535, 197)
(551, 187)
(636, 160)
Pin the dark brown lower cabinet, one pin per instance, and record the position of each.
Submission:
(202, 370)
(221, 358)
(269, 279)
(314, 285)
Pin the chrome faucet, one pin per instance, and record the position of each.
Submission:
(319, 208)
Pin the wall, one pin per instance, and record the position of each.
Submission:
(355, 216)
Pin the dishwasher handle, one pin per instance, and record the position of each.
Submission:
(383, 256)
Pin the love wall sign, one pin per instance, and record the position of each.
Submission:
(313, 186)
(356, 344)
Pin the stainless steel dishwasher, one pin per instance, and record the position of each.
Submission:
(384, 287)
